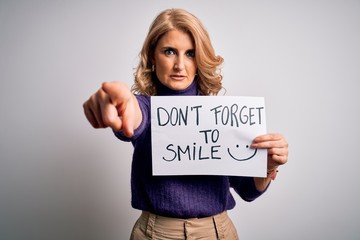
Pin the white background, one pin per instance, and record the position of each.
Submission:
(61, 179)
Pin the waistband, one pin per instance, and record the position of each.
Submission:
(191, 228)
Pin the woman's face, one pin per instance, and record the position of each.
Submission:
(174, 60)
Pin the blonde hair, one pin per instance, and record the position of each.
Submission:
(208, 64)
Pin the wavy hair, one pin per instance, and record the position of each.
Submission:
(208, 64)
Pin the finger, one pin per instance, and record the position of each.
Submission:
(98, 106)
(128, 122)
(268, 137)
(109, 114)
(111, 117)
(278, 155)
(117, 91)
(129, 115)
(270, 144)
(278, 151)
(121, 97)
(90, 116)
(93, 113)
(276, 160)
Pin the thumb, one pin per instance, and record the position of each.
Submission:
(127, 120)
(111, 117)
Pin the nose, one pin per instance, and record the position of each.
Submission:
(179, 63)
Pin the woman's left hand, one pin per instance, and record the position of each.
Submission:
(277, 148)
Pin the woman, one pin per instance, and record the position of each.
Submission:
(177, 58)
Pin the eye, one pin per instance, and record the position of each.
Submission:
(169, 51)
(190, 53)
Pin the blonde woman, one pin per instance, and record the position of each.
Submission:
(177, 58)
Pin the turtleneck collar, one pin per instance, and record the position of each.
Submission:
(191, 90)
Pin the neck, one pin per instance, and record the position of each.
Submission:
(163, 90)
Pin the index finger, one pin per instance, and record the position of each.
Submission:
(268, 137)
(118, 92)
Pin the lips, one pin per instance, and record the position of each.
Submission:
(177, 77)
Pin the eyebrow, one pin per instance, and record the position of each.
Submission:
(174, 48)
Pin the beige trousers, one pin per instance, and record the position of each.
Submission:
(151, 226)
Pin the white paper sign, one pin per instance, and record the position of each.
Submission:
(207, 135)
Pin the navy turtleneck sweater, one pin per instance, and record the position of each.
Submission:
(178, 196)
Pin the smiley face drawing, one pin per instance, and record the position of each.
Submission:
(243, 153)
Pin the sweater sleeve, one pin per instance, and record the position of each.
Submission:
(245, 187)
(144, 104)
